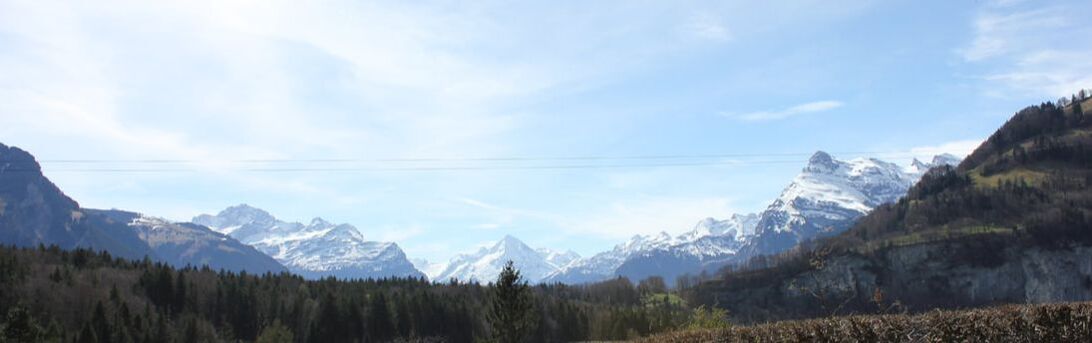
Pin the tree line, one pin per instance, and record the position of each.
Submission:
(50, 294)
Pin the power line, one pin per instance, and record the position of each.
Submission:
(478, 159)
(430, 164)
(406, 169)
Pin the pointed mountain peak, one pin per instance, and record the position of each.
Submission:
(509, 243)
(243, 208)
(821, 162)
(241, 214)
(916, 163)
(663, 236)
(343, 230)
(946, 159)
(319, 222)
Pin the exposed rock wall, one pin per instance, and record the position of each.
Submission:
(947, 275)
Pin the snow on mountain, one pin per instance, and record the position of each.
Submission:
(431, 269)
(829, 195)
(484, 265)
(738, 226)
(191, 244)
(315, 250)
(602, 266)
(558, 258)
(824, 199)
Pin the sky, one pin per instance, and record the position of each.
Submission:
(444, 125)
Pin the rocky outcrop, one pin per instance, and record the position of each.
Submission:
(918, 277)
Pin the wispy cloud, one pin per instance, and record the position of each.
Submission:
(996, 34)
(1031, 50)
(801, 109)
(707, 26)
(501, 216)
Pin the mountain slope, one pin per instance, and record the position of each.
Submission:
(484, 265)
(34, 211)
(828, 195)
(1010, 224)
(318, 249)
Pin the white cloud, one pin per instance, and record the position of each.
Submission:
(1031, 50)
(1000, 33)
(707, 26)
(806, 108)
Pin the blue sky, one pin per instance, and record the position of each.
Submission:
(217, 85)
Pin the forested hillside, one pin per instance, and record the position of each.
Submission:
(1011, 224)
(81, 296)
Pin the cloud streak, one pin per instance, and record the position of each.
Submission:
(1031, 50)
(707, 26)
(801, 109)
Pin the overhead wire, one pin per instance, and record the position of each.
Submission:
(428, 163)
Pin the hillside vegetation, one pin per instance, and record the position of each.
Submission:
(1011, 224)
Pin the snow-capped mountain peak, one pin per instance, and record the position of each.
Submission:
(558, 258)
(946, 159)
(917, 166)
(509, 243)
(737, 226)
(318, 222)
(485, 264)
(821, 162)
(317, 249)
(825, 201)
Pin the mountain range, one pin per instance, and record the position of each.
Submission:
(314, 250)
(825, 198)
(33, 211)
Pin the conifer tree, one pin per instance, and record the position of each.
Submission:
(512, 308)
(380, 321)
(87, 335)
(20, 326)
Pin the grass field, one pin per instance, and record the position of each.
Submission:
(1066, 322)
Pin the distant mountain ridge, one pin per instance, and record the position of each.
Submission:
(485, 264)
(315, 250)
(824, 199)
(34, 211)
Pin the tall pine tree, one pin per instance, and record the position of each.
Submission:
(512, 310)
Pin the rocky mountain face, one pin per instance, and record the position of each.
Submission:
(919, 277)
(34, 211)
(824, 199)
(484, 265)
(314, 250)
